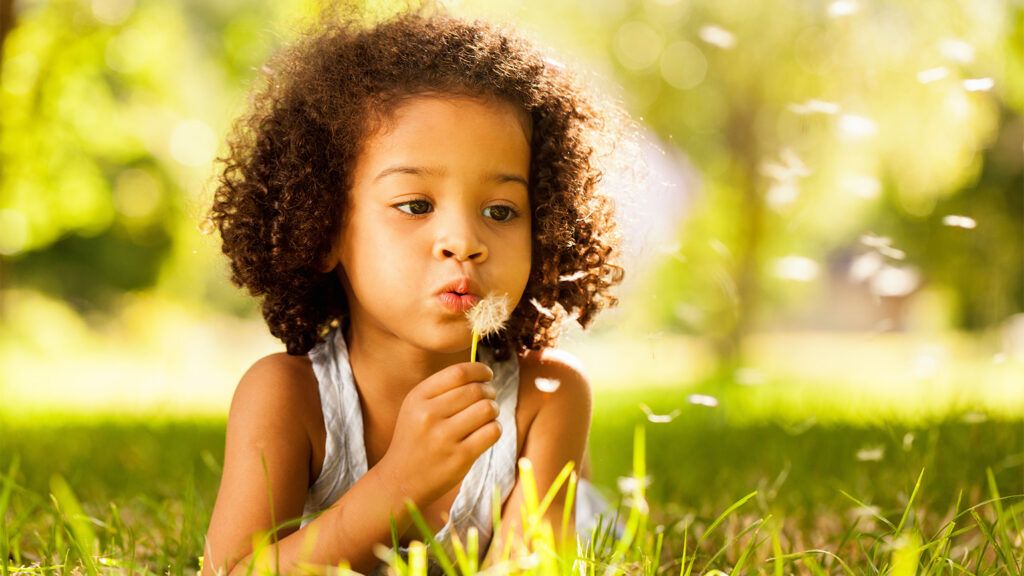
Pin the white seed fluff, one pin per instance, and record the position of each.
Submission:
(489, 315)
(547, 384)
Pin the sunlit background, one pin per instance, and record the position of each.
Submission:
(823, 210)
(831, 224)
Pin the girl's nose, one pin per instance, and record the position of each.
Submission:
(460, 241)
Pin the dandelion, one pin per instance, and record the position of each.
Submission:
(487, 317)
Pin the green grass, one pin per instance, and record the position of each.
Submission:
(94, 495)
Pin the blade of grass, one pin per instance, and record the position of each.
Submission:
(82, 536)
(910, 502)
(421, 525)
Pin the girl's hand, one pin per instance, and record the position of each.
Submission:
(445, 423)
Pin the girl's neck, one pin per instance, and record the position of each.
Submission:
(386, 369)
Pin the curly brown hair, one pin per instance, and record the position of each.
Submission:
(282, 192)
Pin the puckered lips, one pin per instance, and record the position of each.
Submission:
(459, 294)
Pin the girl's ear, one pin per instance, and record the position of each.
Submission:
(330, 260)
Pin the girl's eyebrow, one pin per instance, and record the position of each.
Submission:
(499, 177)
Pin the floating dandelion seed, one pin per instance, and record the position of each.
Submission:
(895, 282)
(548, 385)
(572, 277)
(857, 126)
(860, 185)
(702, 400)
(883, 245)
(796, 268)
(717, 36)
(815, 106)
(631, 484)
(748, 377)
(841, 8)
(540, 308)
(957, 50)
(959, 221)
(865, 266)
(659, 418)
(974, 417)
(932, 74)
(873, 454)
(979, 84)
(908, 441)
(486, 318)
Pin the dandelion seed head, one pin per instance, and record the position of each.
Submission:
(489, 315)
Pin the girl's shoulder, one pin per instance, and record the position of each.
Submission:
(552, 379)
(284, 385)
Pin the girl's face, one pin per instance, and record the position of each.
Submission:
(439, 196)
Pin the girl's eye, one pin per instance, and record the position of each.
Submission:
(501, 213)
(416, 207)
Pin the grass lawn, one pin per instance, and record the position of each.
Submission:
(832, 497)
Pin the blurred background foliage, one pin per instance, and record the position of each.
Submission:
(840, 168)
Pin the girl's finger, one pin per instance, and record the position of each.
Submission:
(482, 438)
(454, 401)
(465, 422)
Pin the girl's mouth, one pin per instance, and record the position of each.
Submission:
(458, 302)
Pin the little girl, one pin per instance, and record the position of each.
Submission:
(384, 180)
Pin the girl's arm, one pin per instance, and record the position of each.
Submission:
(557, 435)
(266, 478)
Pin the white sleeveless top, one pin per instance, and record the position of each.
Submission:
(345, 457)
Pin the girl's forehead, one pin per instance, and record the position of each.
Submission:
(449, 129)
(452, 111)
